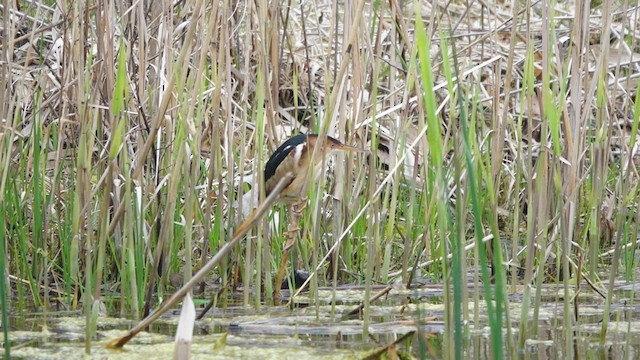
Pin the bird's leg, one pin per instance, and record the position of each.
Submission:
(298, 207)
(291, 235)
(295, 214)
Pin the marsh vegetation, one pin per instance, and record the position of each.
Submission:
(495, 205)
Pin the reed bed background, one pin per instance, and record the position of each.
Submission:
(501, 137)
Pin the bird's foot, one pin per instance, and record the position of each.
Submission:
(299, 207)
(289, 244)
(291, 233)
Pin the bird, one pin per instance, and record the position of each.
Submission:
(294, 159)
(294, 155)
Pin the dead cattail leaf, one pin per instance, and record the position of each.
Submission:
(184, 333)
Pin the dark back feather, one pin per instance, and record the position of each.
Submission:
(281, 153)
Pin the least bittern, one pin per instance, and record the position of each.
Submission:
(295, 156)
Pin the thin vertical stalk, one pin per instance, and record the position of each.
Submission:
(4, 298)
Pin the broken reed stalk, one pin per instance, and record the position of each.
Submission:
(357, 310)
(224, 251)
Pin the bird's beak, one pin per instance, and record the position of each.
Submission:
(347, 148)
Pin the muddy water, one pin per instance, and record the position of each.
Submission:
(312, 332)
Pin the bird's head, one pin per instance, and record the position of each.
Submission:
(295, 156)
(330, 144)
